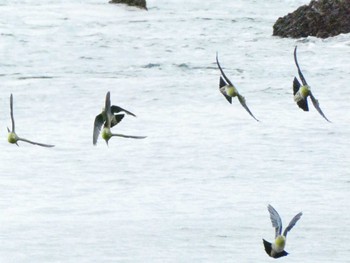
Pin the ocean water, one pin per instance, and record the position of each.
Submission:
(196, 189)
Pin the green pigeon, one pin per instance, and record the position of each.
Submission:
(109, 118)
(276, 250)
(230, 91)
(302, 92)
(13, 137)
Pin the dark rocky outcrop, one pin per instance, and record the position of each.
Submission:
(322, 18)
(138, 3)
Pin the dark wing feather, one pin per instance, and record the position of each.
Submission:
(268, 247)
(292, 223)
(317, 106)
(11, 111)
(117, 109)
(299, 71)
(243, 103)
(117, 118)
(222, 82)
(229, 99)
(222, 72)
(296, 85)
(281, 254)
(303, 104)
(97, 127)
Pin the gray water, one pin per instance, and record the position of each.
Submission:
(196, 189)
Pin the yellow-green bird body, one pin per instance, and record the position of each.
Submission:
(230, 91)
(304, 91)
(12, 137)
(106, 133)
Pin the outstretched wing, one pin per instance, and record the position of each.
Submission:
(11, 111)
(222, 72)
(243, 103)
(128, 136)
(299, 71)
(97, 127)
(275, 220)
(36, 143)
(108, 110)
(292, 223)
(117, 109)
(317, 106)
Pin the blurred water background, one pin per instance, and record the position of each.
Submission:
(197, 188)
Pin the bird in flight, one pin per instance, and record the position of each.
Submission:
(276, 250)
(229, 90)
(302, 92)
(13, 137)
(116, 117)
(110, 118)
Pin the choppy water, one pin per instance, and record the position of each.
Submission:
(197, 188)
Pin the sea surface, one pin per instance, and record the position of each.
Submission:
(197, 188)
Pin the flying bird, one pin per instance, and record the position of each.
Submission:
(116, 117)
(276, 250)
(13, 137)
(229, 90)
(109, 120)
(301, 92)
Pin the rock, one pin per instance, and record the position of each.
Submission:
(322, 18)
(138, 3)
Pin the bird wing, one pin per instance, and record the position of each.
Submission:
(317, 106)
(222, 72)
(299, 71)
(108, 110)
(275, 220)
(243, 103)
(11, 110)
(296, 85)
(117, 109)
(128, 136)
(36, 143)
(292, 223)
(117, 118)
(97, 127)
